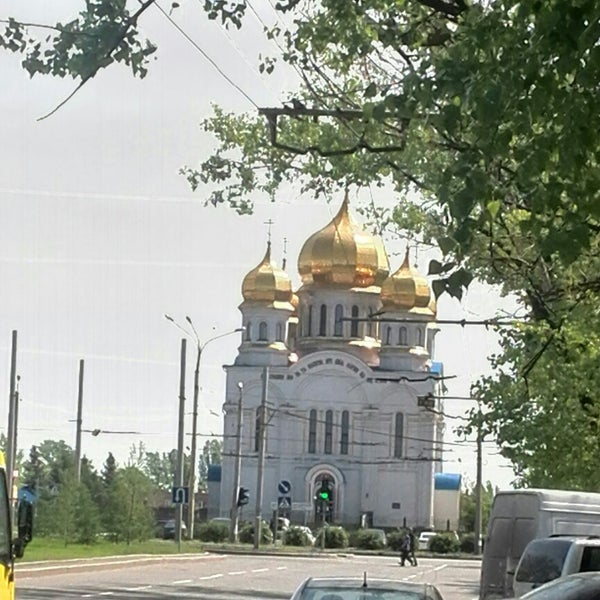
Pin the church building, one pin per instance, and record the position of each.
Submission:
(337, 383)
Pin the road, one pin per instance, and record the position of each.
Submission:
(229, 577)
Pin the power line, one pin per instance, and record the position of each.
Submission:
(207, 57)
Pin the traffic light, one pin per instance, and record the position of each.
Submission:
(243, 496)
(325, 492)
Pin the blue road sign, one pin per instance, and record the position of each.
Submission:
(284, 503)
(284, 487)
(180, 495)
(27, 494)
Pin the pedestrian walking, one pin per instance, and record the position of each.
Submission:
(411, 547)
(405, 550)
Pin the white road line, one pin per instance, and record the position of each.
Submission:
(259, 570)
(281, 568)
(106, 594)
(236, 573)
(140, 588)
(181, 581)
(216, 576)
(441, 567)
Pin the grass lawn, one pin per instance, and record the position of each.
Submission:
(44, 548)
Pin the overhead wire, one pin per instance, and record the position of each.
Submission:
(206, 56)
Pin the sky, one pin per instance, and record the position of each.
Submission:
(101, 237)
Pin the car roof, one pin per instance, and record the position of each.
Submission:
(358, 582)
(570, 539)
(578, 586)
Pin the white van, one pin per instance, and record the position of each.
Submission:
(519, 516)
(545, 559)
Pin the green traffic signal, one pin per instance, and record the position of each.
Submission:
(324, 495)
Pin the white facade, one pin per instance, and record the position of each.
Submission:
(342, 404)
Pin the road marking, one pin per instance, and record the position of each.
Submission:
(216, 576)
(138, 589)
(107, 594)
(181, 581)
(236, 572)
(281, 568)
(441, 567)
(259, 570)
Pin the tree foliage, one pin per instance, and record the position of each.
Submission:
(482, 116)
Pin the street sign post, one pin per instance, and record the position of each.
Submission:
(284, 487)
(180, 495)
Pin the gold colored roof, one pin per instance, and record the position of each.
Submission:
(342, 255)
(407, 290)
(268, 283)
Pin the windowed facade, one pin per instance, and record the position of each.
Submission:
(398, 435)
(312, 432)
(354, 322)
(308, 331)
(248, 331)
(345, 432)
(338, 327)
(388, 335)
(419, 337)
(279, 332)
(262, 331)
(323, 320)
(328, 446)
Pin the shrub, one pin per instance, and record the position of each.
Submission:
(366, 539)
(335, 537)
(296, 536)
(213, 532)
(444, 543)
(394, 540)
(467, 543)
(247, 533)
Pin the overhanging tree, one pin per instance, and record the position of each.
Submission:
(489, 110)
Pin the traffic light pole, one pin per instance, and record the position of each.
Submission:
(235, 509)
(261, 459)
(180, 435)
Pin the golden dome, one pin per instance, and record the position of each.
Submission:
(268, 284)
(407, 290)
(343, 255)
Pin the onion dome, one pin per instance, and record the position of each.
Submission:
(268, 284)
(342, 255)
(407, 290)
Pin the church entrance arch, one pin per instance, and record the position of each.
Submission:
(326, 489)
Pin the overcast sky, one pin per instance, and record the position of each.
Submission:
(101, 237)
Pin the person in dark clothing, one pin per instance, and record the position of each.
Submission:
(411, 547)
(405, 550)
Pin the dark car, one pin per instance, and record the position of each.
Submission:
(359, 588)
(579, 586)
(169, 529)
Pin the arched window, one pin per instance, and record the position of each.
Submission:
(312, 431)
(388, 335)
(345, 432)
(310, 319)
(248, 331)
(262, 331)
(398, 435)
(323, 320)
(354, 322)
(419, 337)
(402, 337)
(328, 432)
(257, 431)
(338, 326)
(279, 332)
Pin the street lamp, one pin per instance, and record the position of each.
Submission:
(193, 458)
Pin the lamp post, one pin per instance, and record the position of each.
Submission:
(193, 451)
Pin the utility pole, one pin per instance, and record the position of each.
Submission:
(261, 458)
(11, 451)
(237, 464)
(79, 423)
(478, 484)
(193, 461)
(179, 467)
